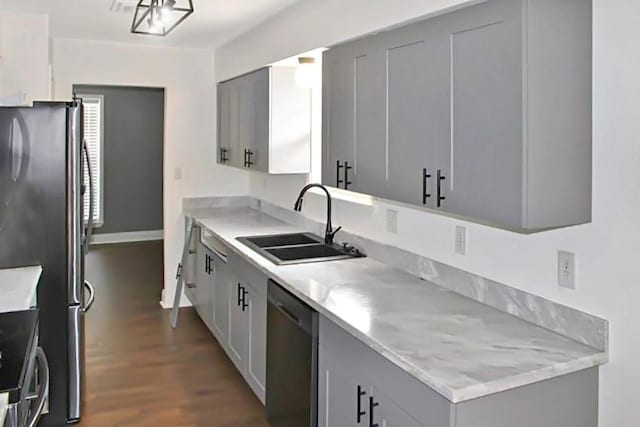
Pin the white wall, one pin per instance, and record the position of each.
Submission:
(24, 55)
(608, 277)
(190, 120)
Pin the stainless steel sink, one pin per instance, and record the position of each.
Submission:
(297, 248)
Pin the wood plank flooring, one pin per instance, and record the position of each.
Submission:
(141, 372)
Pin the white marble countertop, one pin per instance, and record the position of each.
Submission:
(460, 348)
(18, 288)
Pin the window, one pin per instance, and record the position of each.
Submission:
(94, 137)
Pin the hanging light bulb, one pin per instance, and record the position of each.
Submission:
(306, 72)
(167, 7)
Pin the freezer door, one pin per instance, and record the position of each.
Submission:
(76, 362)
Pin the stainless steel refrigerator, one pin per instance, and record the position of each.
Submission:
(42, 159)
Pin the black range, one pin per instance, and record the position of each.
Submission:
(18, 332)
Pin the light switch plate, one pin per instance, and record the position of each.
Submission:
(392, 221)
(566, 269)
(461, 240)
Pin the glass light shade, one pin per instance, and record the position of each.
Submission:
(306, 73)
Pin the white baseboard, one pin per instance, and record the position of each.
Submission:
(134, 236)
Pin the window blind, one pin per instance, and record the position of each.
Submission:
(94, 137)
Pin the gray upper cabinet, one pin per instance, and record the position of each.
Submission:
(483, 113)
(264, 122)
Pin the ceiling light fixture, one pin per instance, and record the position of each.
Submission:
(306, 73)
(160, 17)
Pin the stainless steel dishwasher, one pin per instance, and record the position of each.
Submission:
(292, 360)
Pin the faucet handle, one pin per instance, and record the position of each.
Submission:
(333, 232)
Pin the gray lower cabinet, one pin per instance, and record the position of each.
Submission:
(359, 387)
(221, 287)
(205, 276)
(256, 359)
(264, 122)
(238, 326)
(483, 112)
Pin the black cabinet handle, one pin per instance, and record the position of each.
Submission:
(179, 272)
(223, 155)
(338, 180)
(425, 178)
(359, 412)
(245, 304)
(239, 295)
(372, 405)
(248, 162)
(191, 285)
(439, 179)
(347, 168)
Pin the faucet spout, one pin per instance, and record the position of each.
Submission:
(329, 231)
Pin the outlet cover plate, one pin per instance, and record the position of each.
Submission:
(566, 269)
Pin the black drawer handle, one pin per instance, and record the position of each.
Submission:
(347, 168)
(439, 179)
(179, 272)
(191, 285)
(245, 304)
(338, 180)
(239, 295)
(359, 412)
(372, 405)
(425, 177)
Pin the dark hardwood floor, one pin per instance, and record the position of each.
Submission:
(141, 372)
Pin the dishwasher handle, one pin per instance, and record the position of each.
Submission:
(287, 313)
(291, 307)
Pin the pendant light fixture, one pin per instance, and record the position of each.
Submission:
(160, 17)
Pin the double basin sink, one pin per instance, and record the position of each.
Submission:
(297, 248)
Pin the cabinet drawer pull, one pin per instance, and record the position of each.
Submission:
(439, 179)
(372, 405)
(191, 285)
(347, 168)
(338, 180)
(179, 272)
(359, 412)
(425, 177)
(245, 304)
(239, 295)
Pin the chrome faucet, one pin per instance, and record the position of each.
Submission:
(329, 231)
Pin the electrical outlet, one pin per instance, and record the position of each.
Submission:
(566, 269)
(392, 221)
(461, 240)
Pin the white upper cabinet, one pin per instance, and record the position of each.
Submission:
(264, 122)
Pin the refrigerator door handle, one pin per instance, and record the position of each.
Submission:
(92, 297)
(89, 227)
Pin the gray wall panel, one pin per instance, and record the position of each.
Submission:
(133, 157)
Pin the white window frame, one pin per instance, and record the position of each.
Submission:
(99, 214)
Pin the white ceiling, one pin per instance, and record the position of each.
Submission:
(213, 23)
